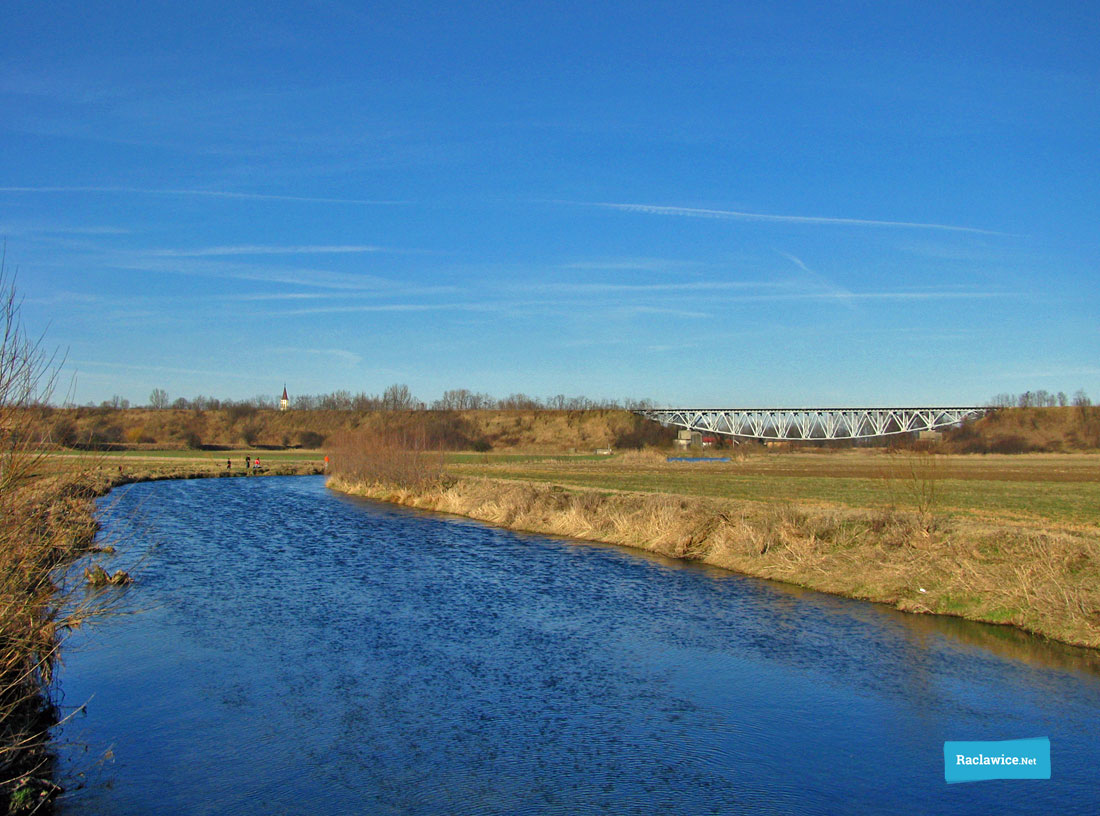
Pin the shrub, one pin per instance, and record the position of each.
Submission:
(133, 435)
(643, 432)
(104, 435)
(250, 433)
(310, 439)
(63, 432)
(1010, 443)
(239, 411)
(389, 458)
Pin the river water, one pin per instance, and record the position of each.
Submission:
(294, 651)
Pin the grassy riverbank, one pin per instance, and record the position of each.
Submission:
(1008, 539)
(47, 521)
(107, 470)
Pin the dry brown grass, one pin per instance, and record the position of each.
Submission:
(45, 522)
(636, 458)
(401, 460)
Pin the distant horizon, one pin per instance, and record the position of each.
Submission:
(1033, 399)
(714, 205)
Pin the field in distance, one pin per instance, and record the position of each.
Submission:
(1060, 488)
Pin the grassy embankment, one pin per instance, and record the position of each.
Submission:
(1003, 539)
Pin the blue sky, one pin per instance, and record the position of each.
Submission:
(738, 204)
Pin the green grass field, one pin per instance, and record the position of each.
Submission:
(517, 458)
(1063, 489)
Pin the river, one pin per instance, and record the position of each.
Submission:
(289, 650)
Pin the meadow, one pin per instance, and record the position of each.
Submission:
(1059, 488)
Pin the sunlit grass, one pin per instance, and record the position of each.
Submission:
(1059, 489)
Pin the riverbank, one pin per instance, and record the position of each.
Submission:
(1043, 578)
(48, 523)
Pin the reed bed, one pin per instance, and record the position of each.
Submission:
(45, 523)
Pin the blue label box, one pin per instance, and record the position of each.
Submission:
(1006, 759)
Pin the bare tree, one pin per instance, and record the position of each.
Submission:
(398, 398)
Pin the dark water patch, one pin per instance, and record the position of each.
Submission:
(304, 652)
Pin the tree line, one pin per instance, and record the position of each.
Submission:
(1041, 399)
(396, 397)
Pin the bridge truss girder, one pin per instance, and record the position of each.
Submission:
(791, 424)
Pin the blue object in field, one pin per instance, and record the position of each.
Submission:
(698, 459)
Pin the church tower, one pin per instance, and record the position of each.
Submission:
(284, 403)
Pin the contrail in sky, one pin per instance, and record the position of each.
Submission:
(252, 249)
(206, 193)
(738, 215)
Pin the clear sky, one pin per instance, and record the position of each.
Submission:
(726, 203)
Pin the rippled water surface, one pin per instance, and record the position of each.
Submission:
(294, 651)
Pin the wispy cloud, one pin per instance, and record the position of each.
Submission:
(796, 261)
(201, 193)
(397, 307)
(103, 364)
(686, 287)
(948, 294)
(349, 357)
(740, 215)
(31, 229)
(264, 296)
(297, 276)
(629, 265)
(819, 279)
(633, 311)
(254, 249)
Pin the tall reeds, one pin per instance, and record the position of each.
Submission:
(389, 458)
(45, 522)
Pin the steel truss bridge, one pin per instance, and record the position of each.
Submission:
(811, 423)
